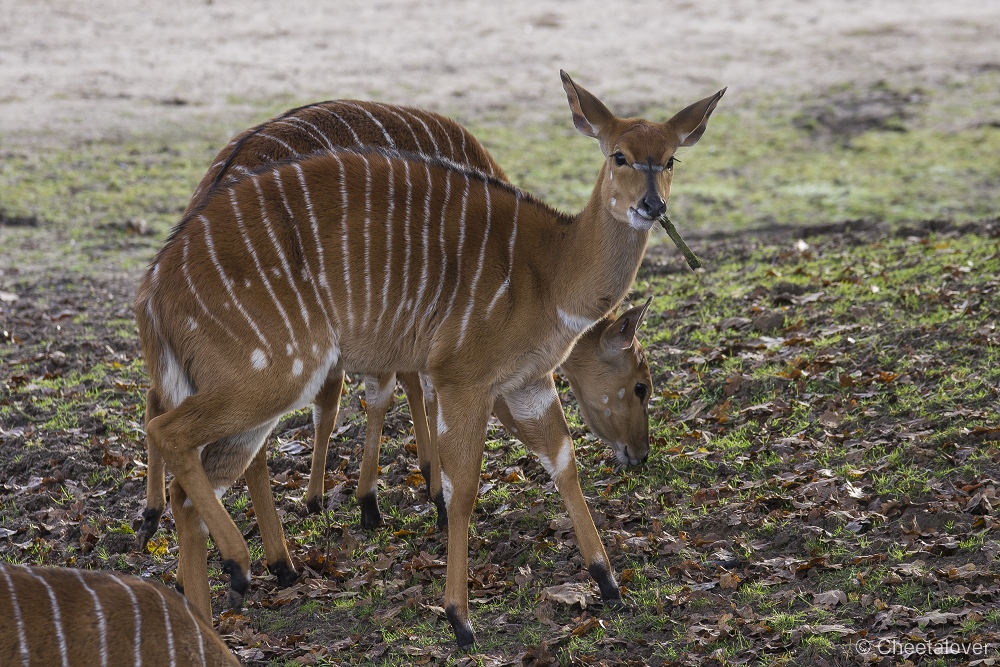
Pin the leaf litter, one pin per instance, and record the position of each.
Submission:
(824, 469)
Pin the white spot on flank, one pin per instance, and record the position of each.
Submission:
(258, 359)
(289, 349)
(192, 325)
(247, 283)
(613, 201)
(621, 393)
(607, 412)
(297, 367)
(315, 349)
(446, 488)
(174, 384)
(604, 399)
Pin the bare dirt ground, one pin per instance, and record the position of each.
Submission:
(108, 68)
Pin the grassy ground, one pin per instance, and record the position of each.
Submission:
(825, 424)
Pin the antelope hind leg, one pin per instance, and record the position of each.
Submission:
(534, 414)
(326, 407)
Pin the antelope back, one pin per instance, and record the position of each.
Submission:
(371, 258)
(610, 377)
(64, 616)
(345, 124)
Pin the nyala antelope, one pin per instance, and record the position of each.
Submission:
(606, 369)
(51, 616)
(388, 262)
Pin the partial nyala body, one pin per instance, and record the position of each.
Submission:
(607, 361)
(388, 262)
(52, 616)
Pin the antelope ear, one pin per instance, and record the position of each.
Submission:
(620, 335)
(590, 116)
(690, 123)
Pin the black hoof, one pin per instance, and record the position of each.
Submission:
(285, 574)
(371, 517)
(425, 471)
(442, 511)
(150, 522)
(611, 595)
(315, 505)
(464, 635)
(238, 584)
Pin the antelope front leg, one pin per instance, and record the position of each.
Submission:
(258, 480)
(156, 499)
(533, 413)
(326, 407)
(461, 420)
(378, 398)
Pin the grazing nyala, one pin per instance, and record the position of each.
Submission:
(59, 616)
(387, 262)
(606, 369)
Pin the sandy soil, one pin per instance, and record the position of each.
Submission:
(109, 68)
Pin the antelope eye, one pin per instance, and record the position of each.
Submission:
(620, 159)
(641, 390)
(670, 163)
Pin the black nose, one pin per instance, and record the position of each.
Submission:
(653, 205)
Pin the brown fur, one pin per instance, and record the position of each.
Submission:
(214, 330)
(48, 617)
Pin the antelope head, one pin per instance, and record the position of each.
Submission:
(610, 378)
(634, 183)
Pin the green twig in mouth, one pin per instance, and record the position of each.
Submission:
(668, 227)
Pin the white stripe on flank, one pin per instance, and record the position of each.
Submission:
(425, 249)
(447, 135)
(228, 284)
(196, 630)
(102, 623)
(307, 274)
(56, 618)
(458, 251)
(22, 637)
(320, 254)
(366, 232)
(444, 251)
(138, 619)
(171, 651)
(479, 269)
(260, 269)
(406, 240)
(505, 285)
(280, 142)
(409, 126)
(345, 250)
(387, 273)
(194, 292)
(314, 132)
(350, 129)
(388, 139)
(303, 311)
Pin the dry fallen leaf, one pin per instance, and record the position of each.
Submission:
(571, 594)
